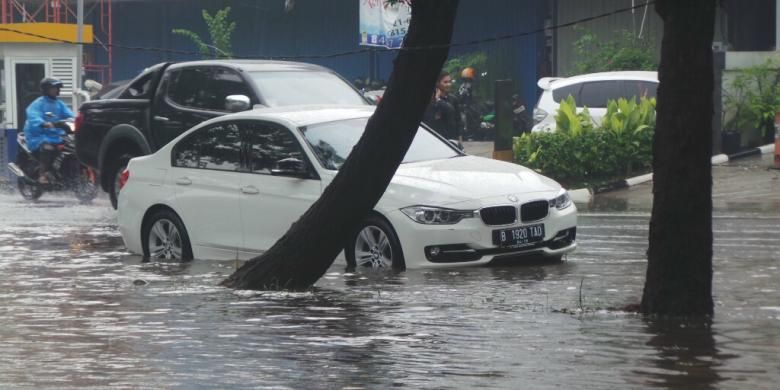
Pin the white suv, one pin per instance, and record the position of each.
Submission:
(591, 91)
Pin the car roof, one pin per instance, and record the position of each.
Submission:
(300, 116)
(601, 76)
(255, 65)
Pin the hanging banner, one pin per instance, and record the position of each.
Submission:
(382, 24)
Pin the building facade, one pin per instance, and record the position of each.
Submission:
(747, 34)
(312, 30)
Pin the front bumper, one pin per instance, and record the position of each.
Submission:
(470, 242)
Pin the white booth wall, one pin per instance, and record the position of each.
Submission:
(55, 60)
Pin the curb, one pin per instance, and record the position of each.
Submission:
(584, 195)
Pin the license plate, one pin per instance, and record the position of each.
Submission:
(518, 236)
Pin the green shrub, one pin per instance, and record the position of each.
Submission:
(621, 51)
(753, 97)
(763, 94)
(220, 30)
(568, 120)
(578, 152)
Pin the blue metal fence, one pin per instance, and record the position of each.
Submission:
(326, 27)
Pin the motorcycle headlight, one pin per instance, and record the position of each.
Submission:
(436, 215)
(561, 201)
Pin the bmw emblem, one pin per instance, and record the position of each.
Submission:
(512, 198)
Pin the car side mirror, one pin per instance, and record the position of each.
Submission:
(290, 166)
(237, 103)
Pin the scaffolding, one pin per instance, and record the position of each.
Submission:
(64, 12)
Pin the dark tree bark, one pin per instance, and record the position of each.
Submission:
(311, 245)
(679, 270)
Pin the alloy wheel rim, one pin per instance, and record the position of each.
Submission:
(373, 249)
(165, 241)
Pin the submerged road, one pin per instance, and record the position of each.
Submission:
(78, 311)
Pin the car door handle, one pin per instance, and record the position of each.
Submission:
(251, 190)
(161, 118)
(183, 181)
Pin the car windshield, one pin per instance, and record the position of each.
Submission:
(286, 88)
(333, 141)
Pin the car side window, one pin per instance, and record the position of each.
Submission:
(596, 94)
(139, 89)
(216, 147)
(563, 93)
(639, 89)
(267, 144)
(225, 82)
(188, 88)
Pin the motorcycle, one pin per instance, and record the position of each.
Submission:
(68, 173)
(478, 121)
(521, 122)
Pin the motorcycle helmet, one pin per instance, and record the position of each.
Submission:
(467, 73)
(49, 82)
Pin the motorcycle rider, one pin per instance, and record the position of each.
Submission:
(521, 117)
(40, 133)
(469, 114)
(465, 91)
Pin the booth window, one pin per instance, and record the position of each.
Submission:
(747, 22)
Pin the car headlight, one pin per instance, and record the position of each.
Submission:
(561, 201)
(436, 215)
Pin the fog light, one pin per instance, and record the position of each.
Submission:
(435, 251)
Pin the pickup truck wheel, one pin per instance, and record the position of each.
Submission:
(115, 172)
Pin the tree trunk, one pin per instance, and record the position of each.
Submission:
(311, 245)
(679, 270)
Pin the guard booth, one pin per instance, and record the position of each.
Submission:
(24, 61)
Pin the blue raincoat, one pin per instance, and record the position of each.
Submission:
(34, 132)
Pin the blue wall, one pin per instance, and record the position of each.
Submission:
(323, 27)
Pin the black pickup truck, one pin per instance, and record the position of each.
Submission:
(167, 99)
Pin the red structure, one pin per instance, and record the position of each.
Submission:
(96, 12)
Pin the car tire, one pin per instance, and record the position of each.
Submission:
(115, 172)
(164, 237)
(375, 246)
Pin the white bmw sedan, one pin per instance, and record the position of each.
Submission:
(230, 187)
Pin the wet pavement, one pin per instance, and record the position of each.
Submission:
(746, 185)
(77, 311)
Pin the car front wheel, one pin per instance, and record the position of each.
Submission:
(165, 238)
(375, 246)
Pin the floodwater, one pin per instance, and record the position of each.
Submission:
(77, 311)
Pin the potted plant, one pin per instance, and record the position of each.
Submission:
(763, 97)
(735, 114)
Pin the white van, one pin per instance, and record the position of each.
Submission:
(591, 91)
